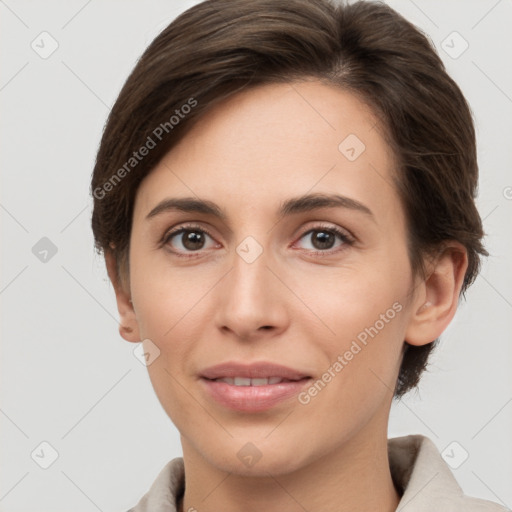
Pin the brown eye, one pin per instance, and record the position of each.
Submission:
(323, 239)
(192, 240)
(186, 240)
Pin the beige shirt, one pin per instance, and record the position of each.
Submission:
(417, 468)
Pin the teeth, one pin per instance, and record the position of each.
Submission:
(245, 381)
(257, 382)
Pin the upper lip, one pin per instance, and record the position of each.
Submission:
(253, 371)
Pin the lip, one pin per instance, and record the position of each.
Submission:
(252, 398)
(262, 369)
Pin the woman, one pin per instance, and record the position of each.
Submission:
(284, 194)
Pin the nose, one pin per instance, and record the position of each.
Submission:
(251, 299)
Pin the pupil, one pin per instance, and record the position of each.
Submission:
(323, 239)
(191, 239)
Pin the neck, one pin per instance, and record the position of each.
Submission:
(355, 477)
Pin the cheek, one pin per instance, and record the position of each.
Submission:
(171, 314)
(360, 315)
(361, 356)
(351, 297)
(173, 308)
(162, 294)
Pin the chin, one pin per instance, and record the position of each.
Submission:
(258, 459)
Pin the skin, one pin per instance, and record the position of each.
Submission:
(248, 155)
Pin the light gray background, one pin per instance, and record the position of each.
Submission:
(67, 377)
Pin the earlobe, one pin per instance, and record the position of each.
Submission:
(437, 303)
(128, 325)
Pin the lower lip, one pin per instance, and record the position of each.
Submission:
(253, 398)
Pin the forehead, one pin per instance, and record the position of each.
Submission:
(276, 141)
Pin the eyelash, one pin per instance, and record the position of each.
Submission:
(345, 238)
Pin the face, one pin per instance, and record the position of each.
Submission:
(322, 288)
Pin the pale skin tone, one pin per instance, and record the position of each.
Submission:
(249, 155)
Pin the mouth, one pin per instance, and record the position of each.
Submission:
(253, 374)
(246, 381)
(252, 388)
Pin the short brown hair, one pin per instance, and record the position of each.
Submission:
(219, 47)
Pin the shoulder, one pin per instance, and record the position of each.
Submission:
(165, 490)
(426, 480)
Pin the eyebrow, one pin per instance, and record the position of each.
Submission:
(291, 206)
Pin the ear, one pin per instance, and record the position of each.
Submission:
(437, 296)
(128, 326)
